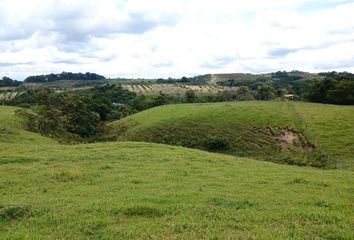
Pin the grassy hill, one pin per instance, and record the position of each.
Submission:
(126, 190)
(214, 78)
(292, 132)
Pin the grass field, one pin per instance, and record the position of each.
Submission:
(249, 127)
(127, 190)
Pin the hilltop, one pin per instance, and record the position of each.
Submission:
(290, 132)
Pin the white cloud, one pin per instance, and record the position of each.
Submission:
(173, 38)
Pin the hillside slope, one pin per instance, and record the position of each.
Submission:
(11, 130)
(292, 132)
(131, 190)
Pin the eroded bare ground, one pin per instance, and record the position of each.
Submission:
(289, 138)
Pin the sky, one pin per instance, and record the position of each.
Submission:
(174, 38)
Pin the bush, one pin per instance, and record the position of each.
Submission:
(30, 119)
(321, 159)
(14, 212)
(189, 142)
(190, 96)
(215, 143)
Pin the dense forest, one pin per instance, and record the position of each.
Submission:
(64, 76)
(8, 82)
(196, 80)
(328, 87)
(336, 88)
(73, 115)
(294, 82)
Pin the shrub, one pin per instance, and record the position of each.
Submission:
(14, 212)
(190, 96)
(215, 143)
(29, 119)
(321, 159)
(189, 142)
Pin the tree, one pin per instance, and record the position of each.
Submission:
(64, 76)
(81, 120)
(184, 80)
(343, 93)
(226, 95)
(190, 96)
(6, 79)
(51, 121)
(8, 82)
(141, 102)
(244, 93)
(160, 99)
(103, 106)
(265, 92)
(339, 90)
(318, 90)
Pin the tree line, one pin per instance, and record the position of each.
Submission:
(287, 82)
(64, 76)
(331, 87)
(8, 82)
(336, 88)
(73, 115)
(196, 80)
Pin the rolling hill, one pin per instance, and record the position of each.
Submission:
(215, 78)
(291, 132)
(127, 190)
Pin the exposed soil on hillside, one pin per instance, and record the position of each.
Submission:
(289, 138)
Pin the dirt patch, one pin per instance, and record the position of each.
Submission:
(289, 138)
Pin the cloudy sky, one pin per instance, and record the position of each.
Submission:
(161, 38)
